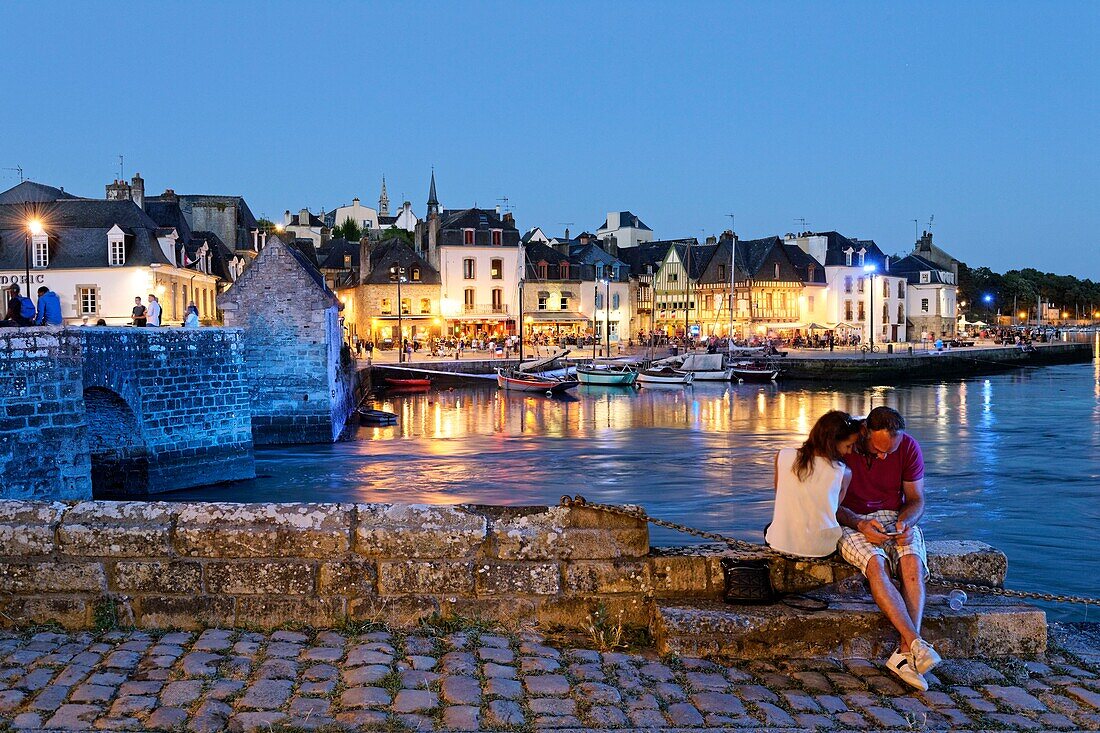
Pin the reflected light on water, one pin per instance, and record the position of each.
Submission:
(1014, 476)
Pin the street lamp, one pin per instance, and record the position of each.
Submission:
(34, 228)
(397, 273)
(870, 270)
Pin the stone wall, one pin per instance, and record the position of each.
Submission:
(264, 565)
(297, 382)
(181, 393)
(43, 434)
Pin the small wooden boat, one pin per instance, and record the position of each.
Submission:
(706, 367)
(394, 382)
(376, 417)
(666, 375)
(756, 371)
(607, 375)
(518, 381)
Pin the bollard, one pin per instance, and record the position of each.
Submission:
(889, 348)
(910, 349)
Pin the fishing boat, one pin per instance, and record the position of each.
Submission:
(518, 381)
(665, 375)
(607, 375)
(406, 383)
(755, 371)
(375, 417)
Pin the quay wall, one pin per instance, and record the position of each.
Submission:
(160, 564)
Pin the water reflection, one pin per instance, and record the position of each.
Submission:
(1011, 459)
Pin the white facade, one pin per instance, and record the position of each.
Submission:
(615, 309)
(480, 285)
(303, 230)
(406, 219)
(931, 300)
(625, 236)
(89, 294)
(364, 216)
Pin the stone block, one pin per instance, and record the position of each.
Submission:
(509, 611)
(416, 530)
(158, 577)
(680, 575)
(393, 610)
(607, 576)
(52, 577)
(425, 577)
(541, 533)
(263, 530)
(267, 612)
(116, 528)
(70, 612)
(183, 612)
(259, 578)
(517, 578)
(27, 527)
(969, 561)
(348, 578)
(573, 613)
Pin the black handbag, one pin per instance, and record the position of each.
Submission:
(747, 581)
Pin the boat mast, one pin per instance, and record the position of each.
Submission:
(733, 289)
(519, 322)
(687, 295)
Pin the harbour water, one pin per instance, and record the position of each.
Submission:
(1012, 459)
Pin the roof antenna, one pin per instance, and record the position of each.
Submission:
(802, 224)
(504, 203)
(930, 222)
(916, 236)
(18, 169)
(733, 222)
(121, 175)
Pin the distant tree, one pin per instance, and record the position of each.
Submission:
(396, 233)
(265, 225)
(348, 230)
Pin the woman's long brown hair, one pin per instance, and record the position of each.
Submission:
(831, 428)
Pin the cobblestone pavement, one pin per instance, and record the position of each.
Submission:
(469, 680)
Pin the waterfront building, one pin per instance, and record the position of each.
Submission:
(227, 218)
(674, 287)
(371, 305)
(338, 261)
(857, 276)
(624, 229)
(932, 289)
(99, 254)
(305, 225)
(552, 294)
(608, 291)
(643, 260)
(478, 255)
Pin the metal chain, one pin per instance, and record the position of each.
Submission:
(749, 550)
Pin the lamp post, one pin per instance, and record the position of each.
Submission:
(595, 315)
(607, 315)
(397, 273)
(34, 228)
(870, 270)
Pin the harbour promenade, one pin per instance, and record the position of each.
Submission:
(455, 678)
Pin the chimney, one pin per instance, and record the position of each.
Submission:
(584, 237)
(498, 209)
(509, 219)
(355, 201)
(169, 195)
(364, 258)
(137, 190)
(118, 191)
(303, 218)
(712, 239)
(567, 232)
(286, 218)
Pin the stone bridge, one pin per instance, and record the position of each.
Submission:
(121, 411)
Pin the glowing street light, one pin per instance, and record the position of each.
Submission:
(870, 270)
(34, 228)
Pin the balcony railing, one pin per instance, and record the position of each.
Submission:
(472, 309)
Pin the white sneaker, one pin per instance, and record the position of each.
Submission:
(924, 656)
(902, 665)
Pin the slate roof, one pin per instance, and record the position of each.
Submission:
(397, 251)
(219, 253)
(647, 253)
(912, 266)
(803, 263)
(333, 252)
(627, 219)
(837, 243)
(32, 192)
(214, 241)
(169, 213)
(296, 220)
(306, 248)
(77, 230)
(539, 251)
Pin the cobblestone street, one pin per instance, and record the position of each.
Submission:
(471, 680)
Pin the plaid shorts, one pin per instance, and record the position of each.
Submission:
(857, 549)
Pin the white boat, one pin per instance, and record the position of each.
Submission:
(706, 367)
(607, 375)
(665, 375)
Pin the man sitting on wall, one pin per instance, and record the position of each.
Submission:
(879, 517)
(20, 309)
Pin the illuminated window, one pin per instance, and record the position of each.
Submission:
(88, 299)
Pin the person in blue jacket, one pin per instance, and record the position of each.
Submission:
(49, 308)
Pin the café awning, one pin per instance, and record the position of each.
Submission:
(556, 317)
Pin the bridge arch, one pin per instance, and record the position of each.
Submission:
(116, 444)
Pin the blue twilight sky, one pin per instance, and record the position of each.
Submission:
(856, 116)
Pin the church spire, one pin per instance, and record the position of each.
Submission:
(433, 202)
(384, 200)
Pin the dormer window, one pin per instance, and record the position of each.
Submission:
(861, 256)
(810, 272)
(416, 274)
(564, 267)
(848, 258)
(776, 270)
(116, 247)
(467, 236)
(497, 237)
(541, 267)
(41, 249)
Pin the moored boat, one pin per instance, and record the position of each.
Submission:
(375, 417)
(606, 375)
(665, 375)
(757, 371)
(706, 367)
(406, 383)
(517, 381)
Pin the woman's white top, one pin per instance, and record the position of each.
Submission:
(804, 522)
